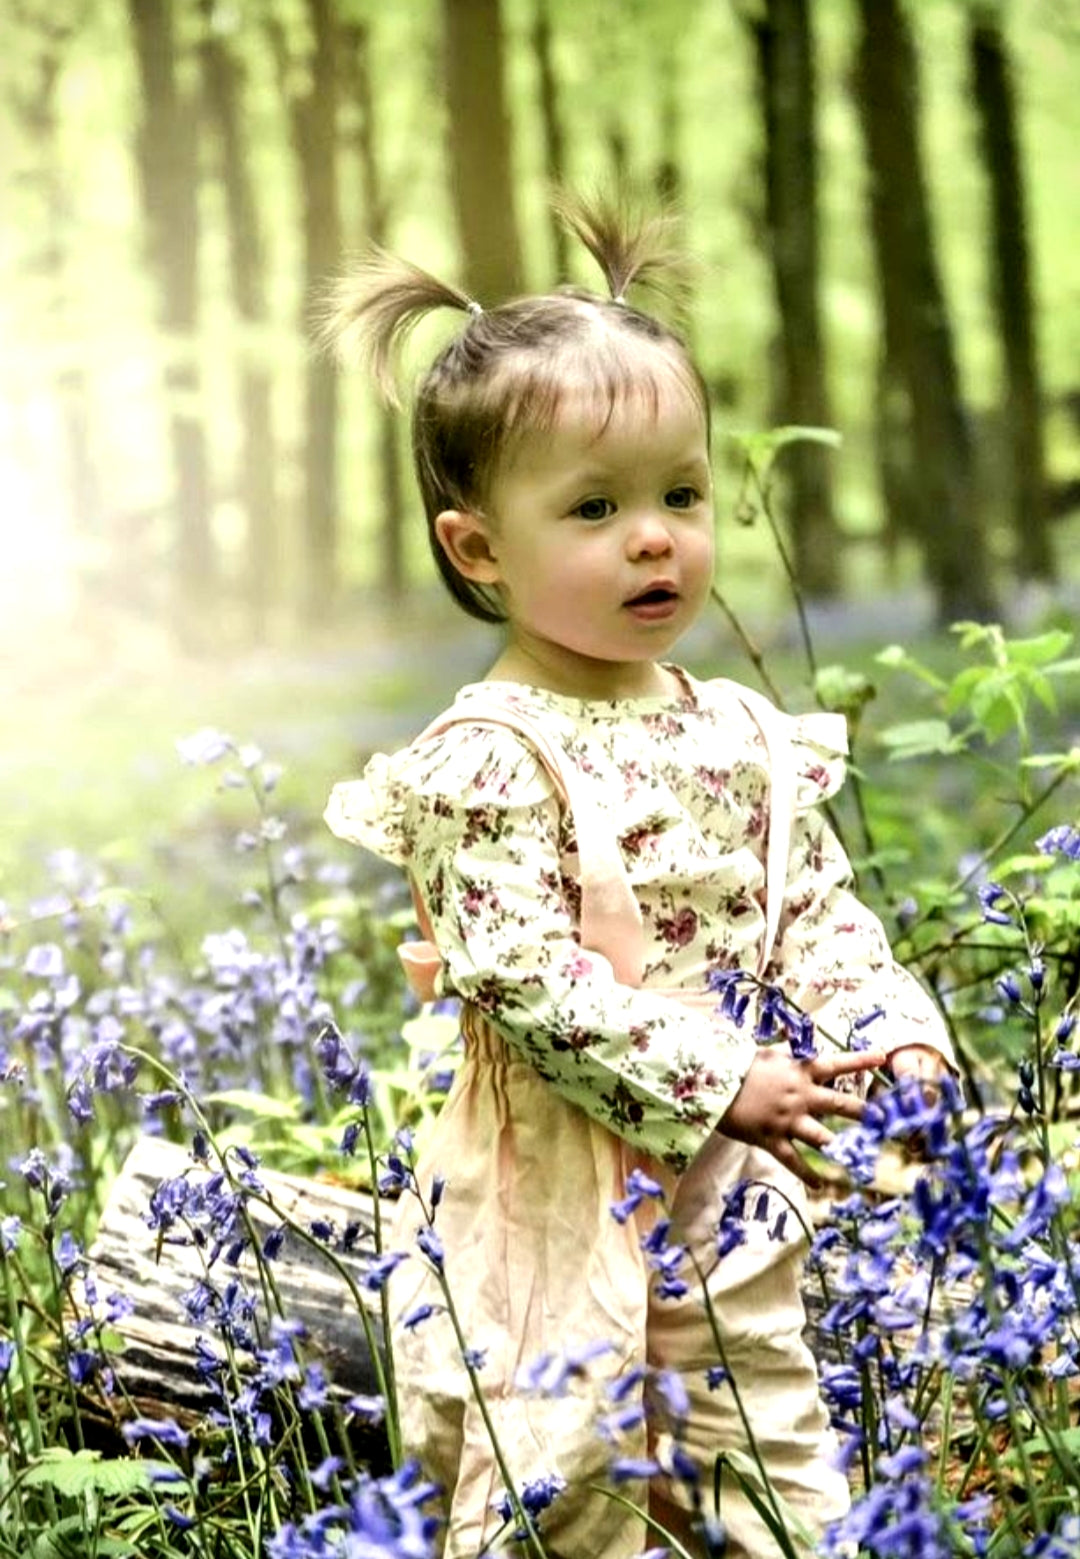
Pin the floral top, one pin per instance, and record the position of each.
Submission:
(475, 817)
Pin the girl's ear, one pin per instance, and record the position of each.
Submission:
(465, 539)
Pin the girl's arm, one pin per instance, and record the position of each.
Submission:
(833, 960)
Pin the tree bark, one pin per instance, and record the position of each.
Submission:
(165, 151)
(917, 329)
(223, 93)
(37, 112)
(551, 124)
(786, 76)
(313, 122)
(481, 175)
(374, 207)
(995, 103)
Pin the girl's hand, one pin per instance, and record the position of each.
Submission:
(783, 1101)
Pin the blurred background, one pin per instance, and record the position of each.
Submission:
(203, 522)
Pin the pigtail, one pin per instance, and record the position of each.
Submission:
(630, 246)
(366, 315)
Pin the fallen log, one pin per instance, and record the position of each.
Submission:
(318, 1283)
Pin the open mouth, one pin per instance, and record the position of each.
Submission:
(659, 595)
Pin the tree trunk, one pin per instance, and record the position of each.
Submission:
(995, 102)
(551, 124)
(481, 176)
(223, 87)
(916, 324)
(786, 74)
(165, 150)
(356, 74)
(316, 127)
(37, 113)
(313, 125)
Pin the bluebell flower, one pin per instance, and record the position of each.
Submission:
(7, 1356)
(990, 895)
(627, 1469)
(431, 1245)
(68, 1253)
(535, 1496)
(1009, 987)
(204, 747)
(165, 1430)
(1062, 840)
(369, 1409)
(314, 1393)
(670, 1388)
(274, 1241)
(44, 961)
(639, 1185)
(550, 1374)
(375, 1278)
(419, 1315)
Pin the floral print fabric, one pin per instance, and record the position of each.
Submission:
(684, 783)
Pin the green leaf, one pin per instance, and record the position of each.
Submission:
(1042, 1445)
(1037, 651)
(761, 449)
(1052, 760)
(262, 1106)
(918, 738)
(74, 1473)
(746, 1472)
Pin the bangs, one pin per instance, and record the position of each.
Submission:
(598, 378)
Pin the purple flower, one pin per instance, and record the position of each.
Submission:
(534, 1496)
(419, 1315)
(44, 961)
(165, 1430)
(639, 1185)
(204, 747)
(989, 895)
(551, 1373)
(431, 1246)
(1062, 840)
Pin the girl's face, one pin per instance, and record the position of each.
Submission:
(599, 537)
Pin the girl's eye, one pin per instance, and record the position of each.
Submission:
(682, 497)
(594, 509)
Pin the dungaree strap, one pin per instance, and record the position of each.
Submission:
(773, 726)
(610, 915)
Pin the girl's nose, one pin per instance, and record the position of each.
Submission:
(650, 536)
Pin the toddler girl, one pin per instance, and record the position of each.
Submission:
(592, 834)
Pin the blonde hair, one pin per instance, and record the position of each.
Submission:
(510, 368)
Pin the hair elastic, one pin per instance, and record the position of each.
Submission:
(618, 297)
(473, 307)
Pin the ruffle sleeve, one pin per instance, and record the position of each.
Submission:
(819, 744)
(381, 811)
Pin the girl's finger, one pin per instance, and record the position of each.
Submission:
(827, 1102)
(811, 1131)
(824, 1067)
(794, 1161)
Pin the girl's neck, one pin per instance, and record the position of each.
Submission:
(594, 679)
